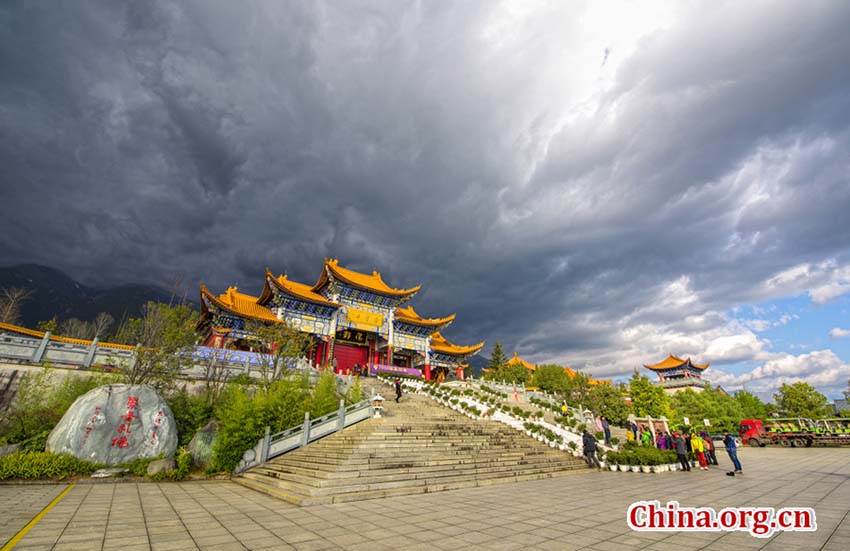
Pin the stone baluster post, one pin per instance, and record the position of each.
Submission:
(305, 434)
(89, 359)
(38, 355)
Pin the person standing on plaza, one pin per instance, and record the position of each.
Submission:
(633, 428)
(710, 456)
(397, 390)
(698, 447)
(589, 443)
(681, 451)
(732, 450)
(606, 428)
(687, 437)
(645, 437)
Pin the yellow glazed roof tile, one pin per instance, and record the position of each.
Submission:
(240, 304)
(409, 315)
(293, 287)
(372, 282)
(674, 361)
(440, 344)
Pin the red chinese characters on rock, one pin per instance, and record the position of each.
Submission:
(157, 422)
(90, 425)
(122, 441)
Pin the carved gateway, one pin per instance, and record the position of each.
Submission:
(347, 307)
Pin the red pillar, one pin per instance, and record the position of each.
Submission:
(427, 372)
(460, 373)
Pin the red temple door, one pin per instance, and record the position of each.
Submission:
(347, 355)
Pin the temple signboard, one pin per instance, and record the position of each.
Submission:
(374, 369)
(362, 319)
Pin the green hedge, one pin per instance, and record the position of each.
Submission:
(642, 456)
(30, 465)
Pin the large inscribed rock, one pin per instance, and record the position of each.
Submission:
(116, 424)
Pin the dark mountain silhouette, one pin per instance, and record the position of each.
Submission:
(54, 293)
(478, 363)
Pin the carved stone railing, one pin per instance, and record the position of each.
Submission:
(273, 445)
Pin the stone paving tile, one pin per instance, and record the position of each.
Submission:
(584, 511)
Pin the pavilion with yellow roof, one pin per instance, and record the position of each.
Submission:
(675, 374)
(354, 318)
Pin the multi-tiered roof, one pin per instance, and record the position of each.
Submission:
(340, 299)
(676, 373)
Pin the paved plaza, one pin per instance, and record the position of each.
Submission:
(581, 511)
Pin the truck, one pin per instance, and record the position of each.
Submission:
(794, 432)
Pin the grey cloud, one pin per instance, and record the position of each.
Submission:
(439, 144)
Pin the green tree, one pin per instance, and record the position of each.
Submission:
(163, 334)
(497, 359)
(325, 397)
(355, 392)
(648, 399)
(802, 400)
(550, 378)
(722, 410)
(48, 325)
(244, 412)
(41, 400)
(751, 406)
(578, 388)
(513, 373)
(191, 411)
(607, 400)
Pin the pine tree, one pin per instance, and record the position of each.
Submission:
(498, 360)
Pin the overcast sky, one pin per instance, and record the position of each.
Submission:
(596, 183)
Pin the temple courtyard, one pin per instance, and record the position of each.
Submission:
(586, 510)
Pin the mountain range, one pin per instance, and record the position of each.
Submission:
(55, 293)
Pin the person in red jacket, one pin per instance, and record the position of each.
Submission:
(710, 456)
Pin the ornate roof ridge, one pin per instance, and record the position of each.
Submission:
(374, 282)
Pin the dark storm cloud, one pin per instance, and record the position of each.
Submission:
(577, 213)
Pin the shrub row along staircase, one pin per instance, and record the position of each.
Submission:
(417, 447)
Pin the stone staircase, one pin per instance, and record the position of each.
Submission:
(417, 447)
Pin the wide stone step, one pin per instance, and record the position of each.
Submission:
(417, 447)
(376, 485)
(382, 456)
(426, 462)
(292, 496)
(402, 474)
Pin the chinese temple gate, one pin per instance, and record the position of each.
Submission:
(355, 319)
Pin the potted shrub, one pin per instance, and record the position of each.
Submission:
(646, 463)
(625, 461)
(636, 462)
(573, 448)
(615, 441)
(613, 459)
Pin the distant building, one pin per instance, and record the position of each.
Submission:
(571, 373)
(675, 374)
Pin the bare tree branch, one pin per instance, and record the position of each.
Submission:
(11, 299)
